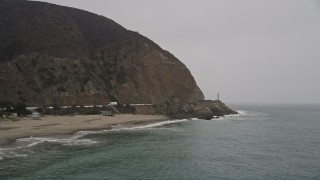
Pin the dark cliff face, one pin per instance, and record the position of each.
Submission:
(53, 54)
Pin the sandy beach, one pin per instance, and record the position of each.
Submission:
(58, 125)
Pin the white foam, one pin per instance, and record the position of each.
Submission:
(1, 154)
(242, 113)
(10, 153)
(231, 116)
(80, 134)
(248, 113)
(120, 127)
(15, 154)
(69, 141)
(155, 124)
(22, 143)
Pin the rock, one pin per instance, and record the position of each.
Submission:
(202, 110)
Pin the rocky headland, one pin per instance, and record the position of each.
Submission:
(52, 55)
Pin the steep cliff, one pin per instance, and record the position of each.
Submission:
(51, 54)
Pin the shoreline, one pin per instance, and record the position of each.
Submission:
(48, 126)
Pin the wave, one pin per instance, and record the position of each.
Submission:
(242, 113)
(155, 124)
(121, 127)
(251, 113)
(68, 141)
(75, 139)
(23, 144)
(9, 153)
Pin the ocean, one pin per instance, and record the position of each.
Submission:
(264, 142)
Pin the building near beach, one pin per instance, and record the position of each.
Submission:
(35, 115)
(106, 113)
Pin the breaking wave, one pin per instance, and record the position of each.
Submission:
(121, 127)
(74, 140)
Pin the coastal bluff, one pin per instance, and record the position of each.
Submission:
(66, 56)
(52, 55)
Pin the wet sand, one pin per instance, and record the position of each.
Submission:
(59, 125)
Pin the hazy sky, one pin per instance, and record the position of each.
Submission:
(248, 50)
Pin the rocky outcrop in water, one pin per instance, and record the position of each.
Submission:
(205, 109)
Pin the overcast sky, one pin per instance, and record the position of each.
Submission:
(261, 51)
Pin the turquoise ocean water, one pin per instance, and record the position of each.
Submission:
(265, 142)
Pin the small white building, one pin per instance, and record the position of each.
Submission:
(31, 108)
(35, 115)
(106, 113)
(113, 103)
